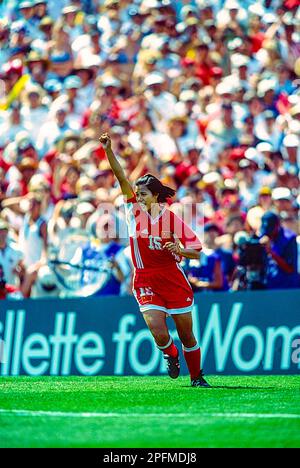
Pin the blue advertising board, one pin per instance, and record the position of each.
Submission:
(240, 333)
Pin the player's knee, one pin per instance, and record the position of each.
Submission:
(161, 338)
(188, 340)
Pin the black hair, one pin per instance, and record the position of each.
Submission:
(156, 187)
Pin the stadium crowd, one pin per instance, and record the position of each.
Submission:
(204, 94)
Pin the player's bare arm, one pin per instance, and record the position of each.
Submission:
(117, 169)
(176, 248)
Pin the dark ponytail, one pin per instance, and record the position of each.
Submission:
(156, 187)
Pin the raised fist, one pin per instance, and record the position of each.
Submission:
(105, 140)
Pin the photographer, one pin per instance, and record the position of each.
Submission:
(250, 273)
(281, 248)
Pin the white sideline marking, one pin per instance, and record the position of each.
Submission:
(59, 414)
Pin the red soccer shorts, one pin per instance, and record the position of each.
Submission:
(167, 290)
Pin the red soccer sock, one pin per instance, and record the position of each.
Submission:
(193, 360)
(170, 350)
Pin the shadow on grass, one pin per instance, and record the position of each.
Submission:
(232, 387)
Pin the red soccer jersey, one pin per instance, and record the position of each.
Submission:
(148, 236)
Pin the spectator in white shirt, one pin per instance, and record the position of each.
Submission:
(76, 104)
(14, 124)
(160, 103)
(51, 131)
(34, 114)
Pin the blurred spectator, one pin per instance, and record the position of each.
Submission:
(11, 258)
(207, 273)
(8, 291)
(33, 242)
(110, 246)
(281, 247)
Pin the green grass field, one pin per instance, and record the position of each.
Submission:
(149, 412)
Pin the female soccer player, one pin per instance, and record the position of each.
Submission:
(160, 285)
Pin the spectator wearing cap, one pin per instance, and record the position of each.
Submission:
(146, 64)
(37, 65)
(61, 65)
(14, 124)
(40, 9)
(240, 72)
(69, 14)
(103, 178)
(26, 11)
(90, 45)
(247, 131)
(33, 242)
(51, 131)
(34, 113)
(19, 36)
(266, 92)
(291, 149)
(192, 110)
(269, 55)
(281, 247)
(60, 52)
(282, 200)
(60, 43)
(168, 62)
(110, 22)
(249, 185)
(27, 166)
(267, 129)
(46, 27)
(160, 103)
(40, 186)
(87, 73)
(82, 213)
(70, 98)
(265, 198)
(53, 87)
(232, 15)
